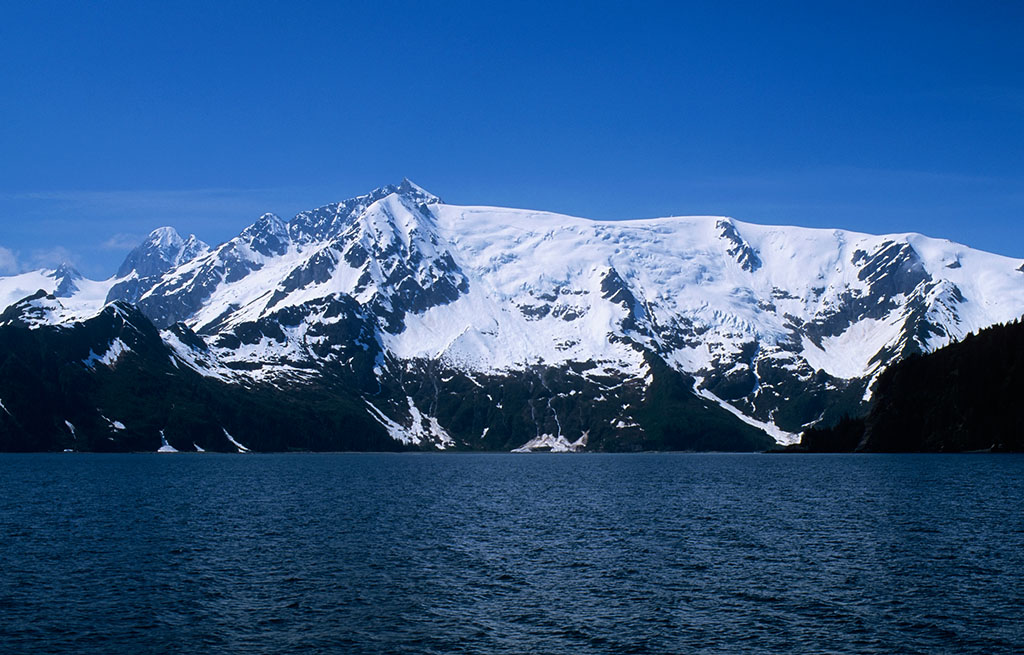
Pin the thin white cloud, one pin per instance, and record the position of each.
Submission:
(9, 263)
(122, 241)
(52, 257)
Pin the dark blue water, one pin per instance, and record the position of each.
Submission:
(511, 554)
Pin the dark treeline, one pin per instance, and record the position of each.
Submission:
(966, 396)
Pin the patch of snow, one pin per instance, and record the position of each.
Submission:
(774, 431)
(421, 429)
(553, 444)
(17, 287)
(109, 358)
(164, 446)
(848, 355)
(204, 363)
(240, 447)
(114, 425)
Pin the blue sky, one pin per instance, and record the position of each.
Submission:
(116, 118)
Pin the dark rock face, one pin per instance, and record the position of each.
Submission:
(493, 412)
(67, 277)
(615, 289)
(268, 236)
(174, 300)
(404, 275)
(162, 250)
(744, 254)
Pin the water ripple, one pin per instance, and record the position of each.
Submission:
(511, 554)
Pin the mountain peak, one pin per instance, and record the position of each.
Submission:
(268, 235)
(162, 250)
(66, 276)
(414, 191)
(268, 221)
(164, 237)
(66, 270)
(329, 220)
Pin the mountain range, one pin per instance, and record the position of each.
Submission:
(394, 320)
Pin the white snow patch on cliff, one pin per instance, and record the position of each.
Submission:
(164, 446)
(240, 447)
(848, 355)
(780, 436)
(114, 350)
(553, 444)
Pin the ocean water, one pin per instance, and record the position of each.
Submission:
(420, 553)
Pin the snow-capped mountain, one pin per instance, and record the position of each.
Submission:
(162, 251)
(488, 327)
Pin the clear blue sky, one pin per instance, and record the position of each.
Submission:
(116, 118)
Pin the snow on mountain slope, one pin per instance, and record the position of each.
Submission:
(80, 298)
(15, 287)
(682, 270)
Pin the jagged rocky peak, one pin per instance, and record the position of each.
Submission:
(267, 224)
(66, 270)
(330, 220)
(267, 236)
(193, 248)
(161, 251)
(893, 267)
(745, 255)
(66, 276)
(415, 192)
